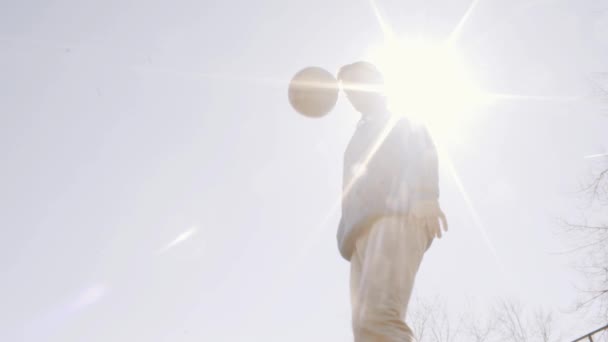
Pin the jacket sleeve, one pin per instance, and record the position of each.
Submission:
(426, 186)
(346, 173)
(349, 176)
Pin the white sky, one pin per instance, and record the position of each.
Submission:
(156, 185)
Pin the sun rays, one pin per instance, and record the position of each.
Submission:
(428, 80)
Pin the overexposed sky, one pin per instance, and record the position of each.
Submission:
(155, 185)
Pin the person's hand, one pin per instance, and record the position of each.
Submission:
(427, 214)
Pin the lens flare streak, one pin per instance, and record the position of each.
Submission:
(179, 239)
(458, 29)
(348, 187)
(599, 155)
(474, 215)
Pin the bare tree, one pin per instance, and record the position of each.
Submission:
(517, 324)
(431, 322)
(511, 324)
(599, 89)
(506, 321)
(592, 232)
(543, 325)
(480, 328)
(592, 241)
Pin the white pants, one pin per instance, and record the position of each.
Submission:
(383, 268)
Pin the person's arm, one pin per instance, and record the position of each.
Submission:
(428, 186)
(425, 210)
(347, 173)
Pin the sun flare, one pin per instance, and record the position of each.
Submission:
(427, 82)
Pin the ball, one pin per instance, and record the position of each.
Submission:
(313, 92)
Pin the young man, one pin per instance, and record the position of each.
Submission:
(390, 209)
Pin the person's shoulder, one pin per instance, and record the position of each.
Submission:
(413, 127)
(404, 121)
(414, 131)
(405, 126)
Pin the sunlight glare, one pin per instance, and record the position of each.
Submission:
(599, 155)
(179, 239)
(427, 82)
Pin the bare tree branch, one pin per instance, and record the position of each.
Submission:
(592, 244)
(506, 321)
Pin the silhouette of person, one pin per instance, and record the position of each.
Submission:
(390, 208)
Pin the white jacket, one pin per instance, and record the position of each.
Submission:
(402, 170)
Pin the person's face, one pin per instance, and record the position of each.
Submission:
(363, 88)
(366, 102)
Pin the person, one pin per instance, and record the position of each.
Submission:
(390, 208)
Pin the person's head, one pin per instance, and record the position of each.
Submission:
(363, 82)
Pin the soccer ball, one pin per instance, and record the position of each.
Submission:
(313, 92)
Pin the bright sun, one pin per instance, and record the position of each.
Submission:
(427, 82)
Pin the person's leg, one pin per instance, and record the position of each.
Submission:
(383, 269)
(355, 278)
